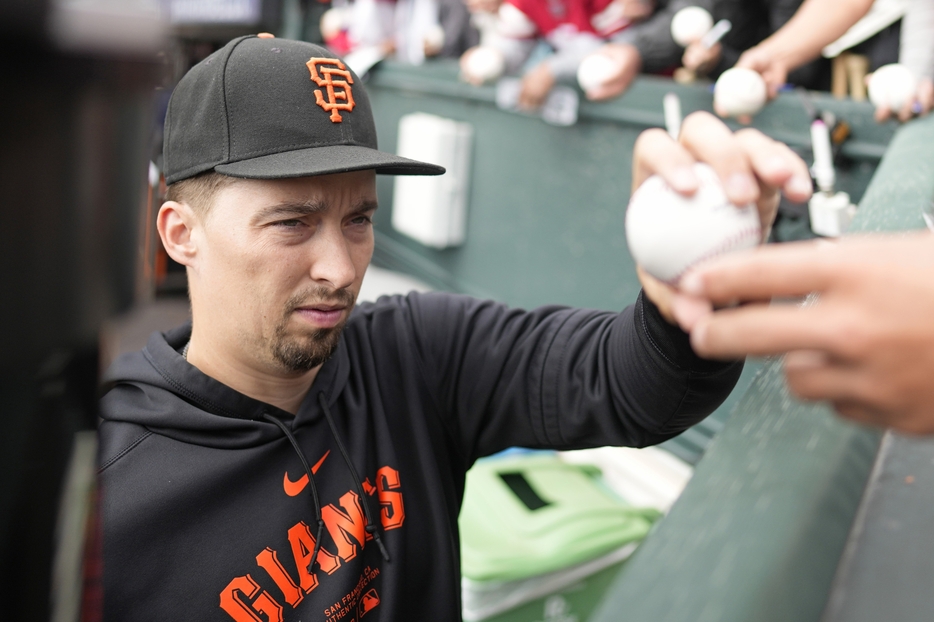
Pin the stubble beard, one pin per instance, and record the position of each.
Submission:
(305, 350)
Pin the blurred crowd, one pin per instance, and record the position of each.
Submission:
(602, 45)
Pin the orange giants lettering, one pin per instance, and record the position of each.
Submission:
(268, 560)
(346, 525)
(388, 484)
(303, 546)
(241, 611)
(243, 598)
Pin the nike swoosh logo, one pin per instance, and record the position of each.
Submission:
(295, 488)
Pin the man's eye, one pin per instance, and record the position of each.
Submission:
(290, 224)
(361, 220)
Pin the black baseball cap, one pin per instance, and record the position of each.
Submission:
(267, 108)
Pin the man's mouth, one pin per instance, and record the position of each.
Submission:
(322, 315)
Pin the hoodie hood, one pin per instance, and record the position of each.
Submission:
(158, 389)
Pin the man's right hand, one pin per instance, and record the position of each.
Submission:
(753, 168)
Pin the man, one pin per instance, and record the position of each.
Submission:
(290, 457)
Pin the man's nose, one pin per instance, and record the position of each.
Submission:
(333, 264)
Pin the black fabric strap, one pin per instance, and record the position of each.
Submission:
(371, 527)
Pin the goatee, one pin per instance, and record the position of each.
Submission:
(306, 350)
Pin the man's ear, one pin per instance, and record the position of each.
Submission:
(176, 222)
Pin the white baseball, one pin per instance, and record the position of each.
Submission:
(485, 64)
(690, 24)
(596, 70)
(892, 86)
(668, 233)
(739, 92)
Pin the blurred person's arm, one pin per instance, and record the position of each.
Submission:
(815, 25)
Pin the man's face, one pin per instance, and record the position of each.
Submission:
(280, 263)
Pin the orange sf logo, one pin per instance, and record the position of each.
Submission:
(323, 76)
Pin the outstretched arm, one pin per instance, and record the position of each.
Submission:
(558, 377)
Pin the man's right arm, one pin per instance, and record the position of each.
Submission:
(561, 378)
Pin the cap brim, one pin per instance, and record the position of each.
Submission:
(325, 161)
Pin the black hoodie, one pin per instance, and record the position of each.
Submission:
(207, 507)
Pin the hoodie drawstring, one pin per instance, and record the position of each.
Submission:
(311, 484)
(371, 527)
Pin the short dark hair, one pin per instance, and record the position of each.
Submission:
(199, 191)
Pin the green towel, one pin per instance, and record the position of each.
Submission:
(534, 514)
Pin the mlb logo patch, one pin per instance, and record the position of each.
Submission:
(369, 602)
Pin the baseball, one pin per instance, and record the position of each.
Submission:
(892, 86)
(739, 92)
(485, 64)
(668, 233)
(690, 24)
(596, 70)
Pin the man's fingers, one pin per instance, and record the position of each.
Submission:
(777, 168)
(711, 141)
(788, 270)
(656, 153)
(776, 164)
(737, 332)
